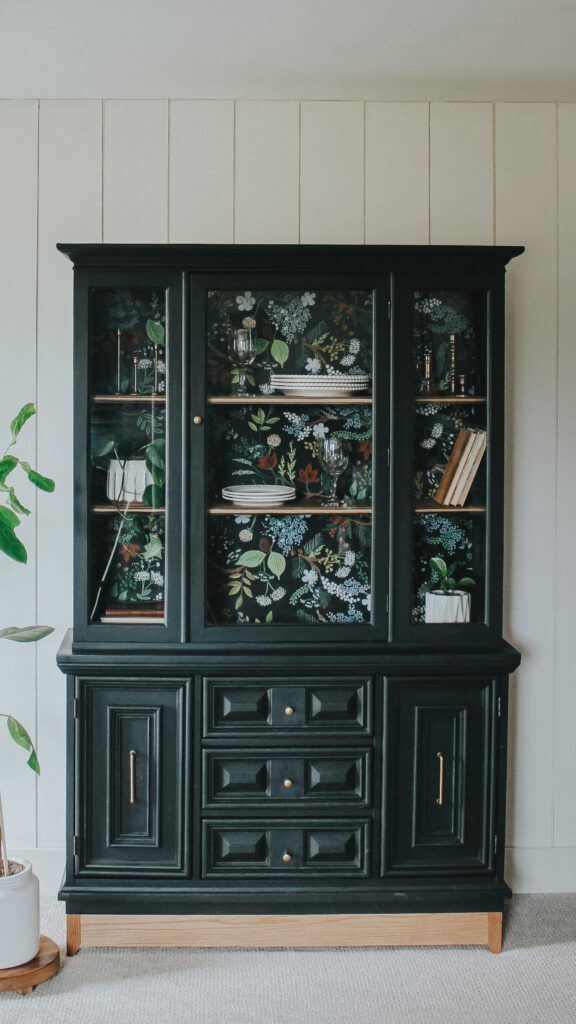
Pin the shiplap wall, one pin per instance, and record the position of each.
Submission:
(288, 171)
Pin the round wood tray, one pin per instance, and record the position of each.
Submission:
(23, 978)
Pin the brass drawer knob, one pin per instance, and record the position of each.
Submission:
(288, 783)
(288, 711)
(286, 857)
(197, 420)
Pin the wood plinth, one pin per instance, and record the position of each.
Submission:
(254, 931)
(25, 977)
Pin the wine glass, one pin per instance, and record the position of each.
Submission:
(333, 460)
(244, 354)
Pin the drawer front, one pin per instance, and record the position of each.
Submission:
(275, 849)
(325, 777)
(257, 706)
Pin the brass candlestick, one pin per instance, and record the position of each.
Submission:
(135, 361)
(427, 385)
(155, 369)
(453, 363)
(118, 353)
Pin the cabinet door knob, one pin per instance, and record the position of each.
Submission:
(288, 711)
(288, 783)
(198, 420)
(286, 857)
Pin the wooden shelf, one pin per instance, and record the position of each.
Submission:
(126, 508)
(449, 399)
(312, 507)
(286, 400)
(428, 505)
(113, 399)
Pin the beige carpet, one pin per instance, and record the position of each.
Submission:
(532, 982)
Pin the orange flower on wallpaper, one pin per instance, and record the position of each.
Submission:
(128, 551)
(366, 448)
(268, 461)
(308, 475)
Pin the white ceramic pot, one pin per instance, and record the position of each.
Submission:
(127, 479)
(451, 607)
(19, 916)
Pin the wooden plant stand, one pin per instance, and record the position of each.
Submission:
(253, 931)
(25, 977)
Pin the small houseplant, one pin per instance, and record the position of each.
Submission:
(446, 601)
(18, 885)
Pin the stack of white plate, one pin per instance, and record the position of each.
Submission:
(258, 495)
(330, 385)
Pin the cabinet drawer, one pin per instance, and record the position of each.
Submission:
(319, 777)
(273, 848)
(267, 705)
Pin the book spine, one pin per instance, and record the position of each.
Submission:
(460, 467)
(451, 466)
(470, 470)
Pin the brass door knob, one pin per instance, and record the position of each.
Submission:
(197, 420)
(288, 783)
(288, 711)
(286, 857)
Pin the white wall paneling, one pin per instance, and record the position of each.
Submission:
(136, 171)
(525, 140)
(461, 174)
(267, 172)
(565, 765)
(18, 209)
(332, 173)
(201, 171)
(397, 179)
(283, 171)
(70, 210)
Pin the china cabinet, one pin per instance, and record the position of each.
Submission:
(279, 450)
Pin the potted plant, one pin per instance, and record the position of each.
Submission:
(445, 600)
(19, 902)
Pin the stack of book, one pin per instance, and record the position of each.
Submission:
(461, 467)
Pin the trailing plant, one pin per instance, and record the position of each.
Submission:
(443, 578)
(11, 512)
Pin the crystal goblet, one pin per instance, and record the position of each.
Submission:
(333, 460)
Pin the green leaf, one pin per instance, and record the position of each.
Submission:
(155, 332)
(156, 453)
(6, 466)
(260, 344)
(279, 351)
(253, 426)
(440, 566)
(269, 617)
(153, 496)
(17, 505)
(18, 422)
(251, 558)
(9, 542)
(467, 582)
(104, 448)
(25, 634)
(276, 563)
(44, 483)
(153, 549)
(21, 737)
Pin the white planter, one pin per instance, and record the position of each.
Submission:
(452, 607)
(19, 917)
(127, 479)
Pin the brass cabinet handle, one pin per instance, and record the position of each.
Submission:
(286, 857)
(132, 776)
(440, 797)
(288, 711)
(197, 420)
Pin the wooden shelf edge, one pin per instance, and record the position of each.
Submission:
(289, 509)
(257, 931)
(451, 399)
(128, 398)
(287, 400)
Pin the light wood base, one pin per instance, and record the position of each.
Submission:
(254, 931)
(25, 977)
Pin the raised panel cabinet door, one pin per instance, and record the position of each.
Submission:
(440, 757)
(133, 780)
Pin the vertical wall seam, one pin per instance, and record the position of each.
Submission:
(168, 167)
(429, 173)
(102, 157)
(36, 452)
(299, 172)
(493, 173)
(234, 157)
(556, 488)
(364, 206)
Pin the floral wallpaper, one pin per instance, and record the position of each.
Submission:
(313, 331)
(140, 316)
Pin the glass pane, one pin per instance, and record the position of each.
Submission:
(449, 461)
(127, 373)
(287, 371)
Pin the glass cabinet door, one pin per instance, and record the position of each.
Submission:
(289, 451)
(128, 335)
(449, 349)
